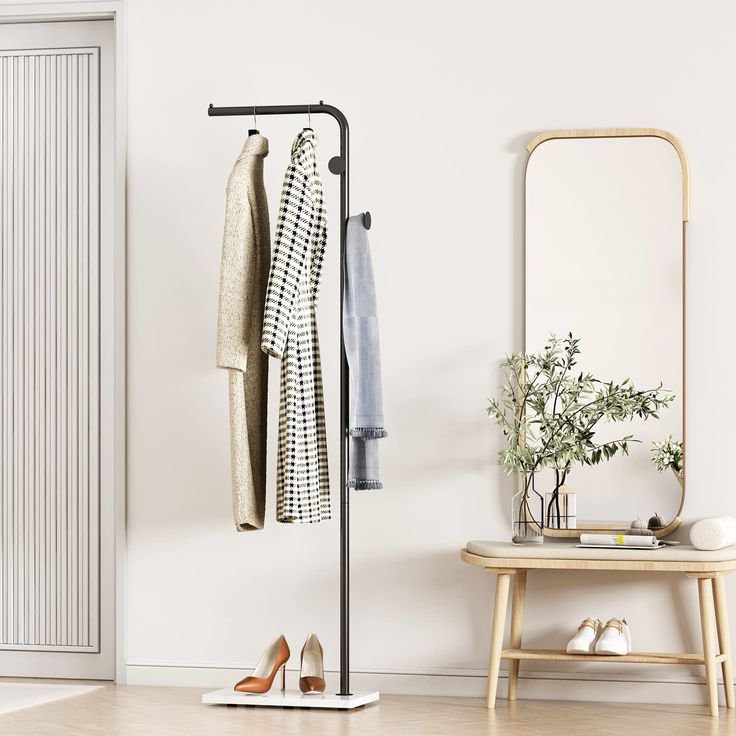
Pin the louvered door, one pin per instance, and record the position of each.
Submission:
(49, 364)
(50, 350)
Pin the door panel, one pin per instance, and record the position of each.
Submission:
(56, 523)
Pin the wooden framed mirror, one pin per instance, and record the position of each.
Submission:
(605, 220)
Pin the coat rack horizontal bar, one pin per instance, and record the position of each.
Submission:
(319, 107)
(340, 168)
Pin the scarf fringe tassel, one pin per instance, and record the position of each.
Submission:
(361, 484)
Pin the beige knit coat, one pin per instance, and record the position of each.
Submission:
(246, 260)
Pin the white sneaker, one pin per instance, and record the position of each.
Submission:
(615, 639)
(584, 641)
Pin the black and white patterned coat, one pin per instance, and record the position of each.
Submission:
(290, 333)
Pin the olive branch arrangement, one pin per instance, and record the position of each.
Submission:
(548, 412)
(668, 455)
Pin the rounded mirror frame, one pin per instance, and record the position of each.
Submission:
(605, 527)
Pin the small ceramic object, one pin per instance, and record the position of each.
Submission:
(638, 528)
(656, 522)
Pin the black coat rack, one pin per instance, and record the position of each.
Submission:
(338, 165)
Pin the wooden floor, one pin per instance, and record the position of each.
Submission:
(159, 711)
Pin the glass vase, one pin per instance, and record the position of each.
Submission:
(560, 509)
(527, 515)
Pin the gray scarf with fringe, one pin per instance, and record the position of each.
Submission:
(360, 330)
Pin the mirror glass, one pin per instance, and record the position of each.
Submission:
(604, 261)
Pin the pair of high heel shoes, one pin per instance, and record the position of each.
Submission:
(311, 673)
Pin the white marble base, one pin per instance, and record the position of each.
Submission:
(290, 699)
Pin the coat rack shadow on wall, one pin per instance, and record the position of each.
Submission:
(344, 699)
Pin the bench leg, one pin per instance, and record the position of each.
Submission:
(707, 615)
(724, 637)
(499, 619)
(517, 623)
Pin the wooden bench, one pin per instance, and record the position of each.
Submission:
(508, 561)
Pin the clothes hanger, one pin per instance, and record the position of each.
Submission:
(367, 220)
(309, 117)
(253, 131)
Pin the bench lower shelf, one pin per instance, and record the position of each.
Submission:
(634, 657)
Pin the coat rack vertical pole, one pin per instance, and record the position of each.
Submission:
(344, 419)
(338, 165)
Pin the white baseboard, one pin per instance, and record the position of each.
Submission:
(458, 683)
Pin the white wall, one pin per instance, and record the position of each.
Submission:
(442, 98)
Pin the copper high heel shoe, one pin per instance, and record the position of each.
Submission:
(312, 673)
(261, 679)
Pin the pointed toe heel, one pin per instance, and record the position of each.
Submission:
(312, 670)
(262, 677)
